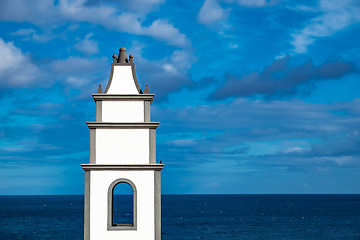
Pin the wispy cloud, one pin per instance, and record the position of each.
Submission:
(164, 76)
(18, 70)
(143, 6)
(87, 45)
(314, 134)
(256, 3)
(333, 17)
(31, 34)
(76, 72)
(24, 32)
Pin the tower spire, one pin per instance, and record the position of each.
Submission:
(123, 58)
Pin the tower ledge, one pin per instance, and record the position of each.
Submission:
(123, 97)
(117, 125)
(130, 167)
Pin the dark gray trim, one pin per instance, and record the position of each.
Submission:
(110, 226)
(147, 111)
(135, 78)
(110, 78)
(152, 145)
(124, 167)
(92, 145)
(157, 202)
(87, 206)
(133, 73)
(132, 125)
(123, 97)
(98, 111)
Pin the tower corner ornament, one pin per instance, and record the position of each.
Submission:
(122, 197)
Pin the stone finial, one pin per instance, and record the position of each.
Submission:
(100, 89)
(131, 58)
(122, 56)
(146, 90)
(114, 58)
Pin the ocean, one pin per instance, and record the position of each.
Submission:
(211, 217)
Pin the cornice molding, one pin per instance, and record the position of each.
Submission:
(123, 97)
(113, 125)
(123, 167)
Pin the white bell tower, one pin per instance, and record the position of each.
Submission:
(122, 154)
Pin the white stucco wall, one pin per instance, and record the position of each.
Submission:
(99, 184)
(122, 81)
(122, 146)
(127, 111)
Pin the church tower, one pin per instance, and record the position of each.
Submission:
(122, 180)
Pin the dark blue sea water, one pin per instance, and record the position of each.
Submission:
(212, 217)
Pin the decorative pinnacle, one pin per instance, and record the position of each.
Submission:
(131, 58)
(146, 90)
(114, 58)
(100, 89)
(122, 56)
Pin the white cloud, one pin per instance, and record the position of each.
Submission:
(280, 56)
(76, 10)
(335, 16)
(161, 29)
(78, 66)
(182, 59)
(141, 5)
(293, 149)
(16, 69)
(250, 116)
(254, 3)
(41, 12)
(46, 13)
(233, 45)
(169, 68)
(211, 12)
(288, 138)
(106, 16)
(87, 46)
(76, 82)
(183, 142)
(78, 71)
(73, 27)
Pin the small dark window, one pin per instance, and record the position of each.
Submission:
(122, 204)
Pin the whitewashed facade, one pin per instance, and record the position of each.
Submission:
(122, 150)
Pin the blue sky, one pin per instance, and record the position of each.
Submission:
(253, 96)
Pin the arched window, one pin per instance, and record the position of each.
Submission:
(122, 205)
